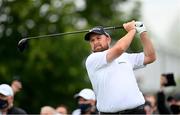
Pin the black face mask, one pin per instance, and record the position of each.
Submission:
(84, 107)
(175, 109)
(3, 104)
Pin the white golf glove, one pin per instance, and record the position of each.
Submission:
(140, 27)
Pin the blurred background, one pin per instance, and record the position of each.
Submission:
(53, 70)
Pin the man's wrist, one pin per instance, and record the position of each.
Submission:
(143, 34)
(132, 30)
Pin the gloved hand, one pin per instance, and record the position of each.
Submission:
(140, 27)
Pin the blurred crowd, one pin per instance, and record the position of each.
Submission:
(7, 93)
(159, 103)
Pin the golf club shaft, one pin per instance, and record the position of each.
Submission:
(74, 32)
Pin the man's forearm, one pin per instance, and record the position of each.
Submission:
(148, 48)
(120, 46)
(125, 41)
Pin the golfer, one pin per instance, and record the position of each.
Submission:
(110, 69)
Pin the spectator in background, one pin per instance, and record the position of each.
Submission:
(151, 104)
(16, 86)
(62, 109)
(173, 104)
(148, 108)
(166, 80)
(86, 102)
(6, 101)
(48, 110)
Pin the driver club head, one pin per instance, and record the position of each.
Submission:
(22, 45)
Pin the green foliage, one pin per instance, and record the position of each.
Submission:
(52, 70)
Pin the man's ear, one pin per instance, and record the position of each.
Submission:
(109, 39)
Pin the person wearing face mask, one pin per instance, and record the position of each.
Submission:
(6, 101)
(86, 102)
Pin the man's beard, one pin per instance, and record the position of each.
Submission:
(100, 48)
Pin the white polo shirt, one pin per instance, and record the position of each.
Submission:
(114, 83)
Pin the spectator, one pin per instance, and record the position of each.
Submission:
(48, 110)
(86, 102)
(16, 86)
(151, 101)
(161, 98)
(62, 109)
(6, 101)
(148, 108)
(173, 104)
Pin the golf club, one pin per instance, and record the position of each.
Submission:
(22, 44)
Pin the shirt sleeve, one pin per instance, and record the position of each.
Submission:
(137, 60)
(96, 61)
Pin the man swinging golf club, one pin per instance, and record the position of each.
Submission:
(110, 69)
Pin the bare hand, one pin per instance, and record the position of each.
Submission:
(129, 26)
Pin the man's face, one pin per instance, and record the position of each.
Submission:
(86, 106)
(16, 86)
(99, 42)
(4, 102)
